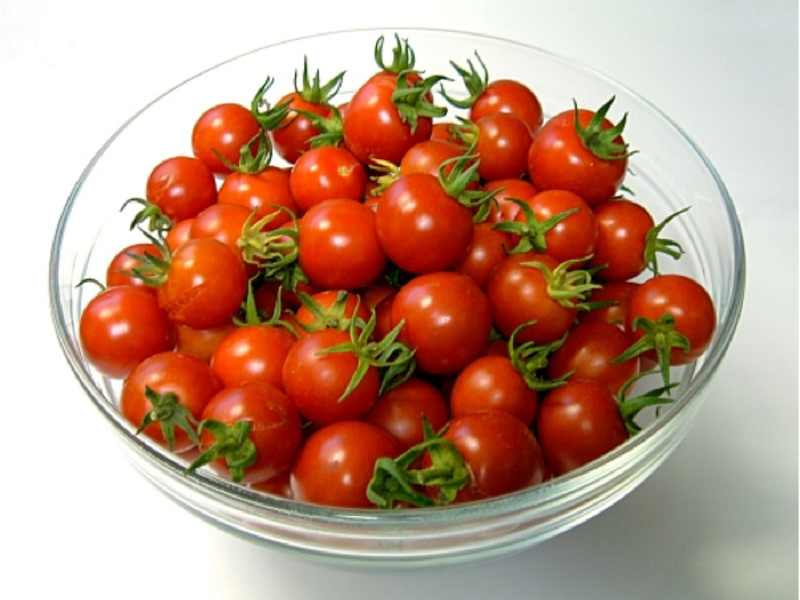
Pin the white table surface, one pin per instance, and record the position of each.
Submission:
(717, 521)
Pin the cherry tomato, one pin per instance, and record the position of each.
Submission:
(400, 411)
(336, 464)
(189, 379)
(276, 430)
(339, 247)
(205, 286)
(447, 320)
(325, 173)
(686, 302)
(222, 222)
(500, 452)
(518, 294)
(265, 193)
(373, 127)
(488, 248)
(252, 353)
(493, 383)
(181, 187)
(502, 141)
(577, 423)
(505, 209)
(609, 303)
(588, 352)
(334, 309)
(420, 227)
(509, 96)
(622, 229)
(223, 129)
(119, 270)
(317, 382)
(121, 326)
(428, 155)
(559, 159)
(201, 343)
(293, 137)
(574, 236)
(179, 233)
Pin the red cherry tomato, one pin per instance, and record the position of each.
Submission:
(336, 464)
(447, 320)
(223, 130)
(326, 173)
(181, 187)
(252, 353)
(121, 326)
(622, 229)
(339, 247)
(189, 379)
(577, 423)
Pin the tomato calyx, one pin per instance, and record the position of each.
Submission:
(327, 317)
(396, 481)
(168, 411)
(411, 101)
(659, 336)
(232, 442)
(655, 244)
(456, 180)
(254, 156)
(386, 173)
(152, 269)
(532, 231)
(314, 92)
(403, 57)
(393, 359)
(274, 251)
(531, 360)
(475, 83)
(331, 129)
(269, 117)
(630, 408)
(150, 215)
(599, 140)
(565, 284)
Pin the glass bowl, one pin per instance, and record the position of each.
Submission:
(668, 173)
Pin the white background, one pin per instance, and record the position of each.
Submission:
(717, 521)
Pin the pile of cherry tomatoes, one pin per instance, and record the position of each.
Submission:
(420, 309)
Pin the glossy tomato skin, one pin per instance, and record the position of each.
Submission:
(222, 222)
(622, 229)
(181, 187)
(447, 320)
(339, 247)
(179, 233)
(121, 326)
(488, 248)
(189, 378)
(223, 129)
(506, 191)
(336, 464)
(509, 96)
(689, 304)
(326, 173)
(578, 422)
(293, 138)
(518, 295)
(317, 382)
(502, 146)
(252, 353)
(428, 155)
(612, 301)
(373, 127)
(588, 352)
(201, 343)
(206, 284)
(276, 428)
(420, 227)
(400, 411)
(557, 159)
(119, 270)
(575, 236)
(265, 193)
(492, 383)
(499, 450)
